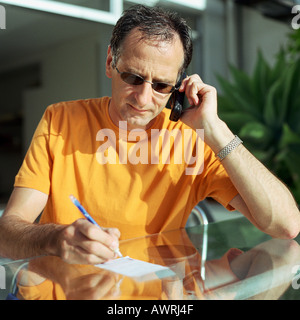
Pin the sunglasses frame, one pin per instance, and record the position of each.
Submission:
(173, 88)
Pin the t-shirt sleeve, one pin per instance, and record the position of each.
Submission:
(35, 171)
(215, 182)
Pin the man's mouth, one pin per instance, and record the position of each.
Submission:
(141, 111)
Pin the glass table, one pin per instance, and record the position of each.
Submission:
(229, 260)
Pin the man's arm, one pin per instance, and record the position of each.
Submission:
(262, 198)
(19, 237)
(80, 242)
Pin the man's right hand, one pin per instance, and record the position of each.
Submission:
(81, 242)
(84, 243)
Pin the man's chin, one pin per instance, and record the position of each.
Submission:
(139, 123)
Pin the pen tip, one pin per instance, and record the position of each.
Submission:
(117, 251)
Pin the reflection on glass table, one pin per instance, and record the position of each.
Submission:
(240, 262)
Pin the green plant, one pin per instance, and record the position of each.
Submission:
(293, 45)
(264, 110)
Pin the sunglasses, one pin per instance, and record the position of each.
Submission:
(135, 80)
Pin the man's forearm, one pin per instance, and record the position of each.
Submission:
(271, 205)
(262, 197)
(20, 239)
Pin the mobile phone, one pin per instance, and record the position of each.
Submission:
(177, 102)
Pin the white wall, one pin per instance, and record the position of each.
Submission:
(214, 42)
(262, 33)
(233, 36)
(72, 70)
(68, 72)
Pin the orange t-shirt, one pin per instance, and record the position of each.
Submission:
(142, 182)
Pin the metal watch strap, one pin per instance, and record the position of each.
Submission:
(234, 143)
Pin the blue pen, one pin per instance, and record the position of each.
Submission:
(89, 218)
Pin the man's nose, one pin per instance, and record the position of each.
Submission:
(144, 94)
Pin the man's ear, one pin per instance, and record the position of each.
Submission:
(108, 66)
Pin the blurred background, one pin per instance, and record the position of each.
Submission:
(52, 51)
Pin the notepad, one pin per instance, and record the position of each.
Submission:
(140, 270)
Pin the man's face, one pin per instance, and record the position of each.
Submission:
(154, 61)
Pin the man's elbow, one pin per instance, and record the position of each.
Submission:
(291, 233)
(282, 233)
(290, 230)
(294, 229)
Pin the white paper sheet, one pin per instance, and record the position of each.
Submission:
(134, 268)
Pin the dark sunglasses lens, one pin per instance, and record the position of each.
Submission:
(136, 80)
(131, 78)
(162, 87)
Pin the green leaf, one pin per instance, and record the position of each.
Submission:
(265, 156)
(243, 81)
(288, 137)
(287, 93)
(257, 134)
(279, 66)
(292, 161)
(273, 98)
(225, 104)
(236, 119)
(234, 94)
(261, 79)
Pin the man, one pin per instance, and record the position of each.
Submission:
(84, 148)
